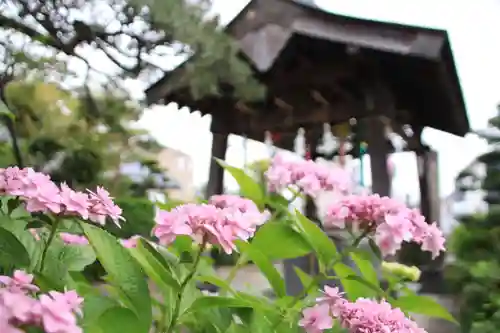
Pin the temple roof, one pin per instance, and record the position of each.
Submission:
(316, 67)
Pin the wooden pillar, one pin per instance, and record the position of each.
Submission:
(428, 181)
(215, 183)
(378, 149)
(432, 280)
(307, 263)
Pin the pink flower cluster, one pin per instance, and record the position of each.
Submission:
(73, 239)
(41, 194)
(363, 315)
(223, 220)
(308, 176)
(131, 242)
(54, 312)
(391, 222)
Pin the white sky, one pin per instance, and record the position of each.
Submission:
(473, 27)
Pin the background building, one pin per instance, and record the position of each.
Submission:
(179, 168)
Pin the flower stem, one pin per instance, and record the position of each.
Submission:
(52, 234)
(189, 277)
(242, 260)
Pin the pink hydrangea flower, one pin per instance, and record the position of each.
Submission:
(71, 298)
(54, 312)
(389, 221)
(171, 224)
(20, 306)
(68, 238)
(75, 202)
(20, 281)
(363, 315)
(5, 323)
(233, 201)
(35, 234)
(102, 206)
(310, 177)
(130, 242)
(316, 319)
(41, 194)
(57, 315)
(330, 295)
(220, 222)
(46, 199)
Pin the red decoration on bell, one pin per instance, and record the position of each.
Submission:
(276, 137)
(308, 153)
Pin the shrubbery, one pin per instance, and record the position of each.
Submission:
(49, 233)
(475, 273)
(475, 244)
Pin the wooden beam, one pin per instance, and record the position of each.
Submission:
(271, 119)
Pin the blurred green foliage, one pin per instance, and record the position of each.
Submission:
(474, 274)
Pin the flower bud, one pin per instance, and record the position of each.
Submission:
(402, 271)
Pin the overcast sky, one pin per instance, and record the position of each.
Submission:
(473, 27)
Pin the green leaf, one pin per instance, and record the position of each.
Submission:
(353, 287)
(183, 244)
(155, 266)
(12, 205)
(366, 268)
(424, 305)
(77, 257)
(123, 272)
(118, 320)
(60, 260)
(278, 240)
(257, 302)
(260, 324)
(12, 251)
(94, 306)
(249, 188)
(209, 320)
(35, 224)
(304, 278)
(218, 301)
(266, 267)
(364, 282)
(317, 239)
(216, 282)
(375, 249)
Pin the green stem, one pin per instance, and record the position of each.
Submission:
(52, 234)
(162, 320)
(189, 277)
(242, 260)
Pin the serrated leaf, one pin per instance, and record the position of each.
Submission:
(317, 239)
(365, 267)
(249, 188)
(352, 286)
(424, 305)
(123, 273)
(304, 278)
(154, 267)
(218, 301)
(266, 267)
(118, 320)
(278, 240)
(12, 251)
